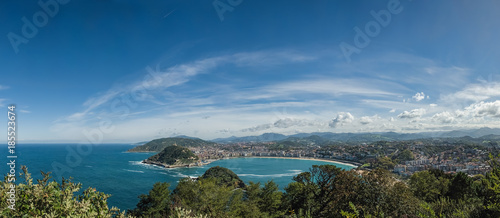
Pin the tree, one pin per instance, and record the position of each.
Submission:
(427, 187)
(460, 187)
(250, 207)
(271, 199)
(156, 204)
(405, 155)
(491, 189)
(53, 199)
(384, 163)
(323, 191)
(326, 191)
(224, 176)
(206, 196)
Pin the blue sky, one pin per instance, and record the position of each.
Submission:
(126, 71)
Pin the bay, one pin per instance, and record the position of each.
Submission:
(111, 170)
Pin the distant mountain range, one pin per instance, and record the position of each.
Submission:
(322, 137)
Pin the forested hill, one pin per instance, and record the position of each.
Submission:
(158, 145)
(224, 177)
(174, 155)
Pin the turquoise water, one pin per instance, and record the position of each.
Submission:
(111, 170)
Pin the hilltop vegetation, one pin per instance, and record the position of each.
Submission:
(223, 176)
(52, 199)
(158, 145)
(327, 191)
(174, 155)
(323, 191)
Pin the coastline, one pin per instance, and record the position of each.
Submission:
(197, 164)
(208, 161)
(315, 159)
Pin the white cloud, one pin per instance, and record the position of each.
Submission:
(484, 109)
(241, 108)
(267, 58)
(287, 122)
(475, 92)
(157, 81)
(3, 87)
(283, 124)
(412, 114)
(258, 128)
(331, 87)
(444, 117)
(365, 120)
(341, 119)
(473, 113)
(419, 96)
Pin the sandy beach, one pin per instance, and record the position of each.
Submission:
(208, 161)
(301, 158)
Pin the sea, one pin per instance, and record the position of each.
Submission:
(112, 170)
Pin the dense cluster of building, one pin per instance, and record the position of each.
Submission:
(470, 161)
(424, 156)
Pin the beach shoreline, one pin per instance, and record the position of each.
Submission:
(208, 161)
(302, 158)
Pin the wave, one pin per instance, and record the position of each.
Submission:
(134, 171)
(180, 175)
(133, 162)
(147, 166)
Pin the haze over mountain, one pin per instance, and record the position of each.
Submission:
(364, 137)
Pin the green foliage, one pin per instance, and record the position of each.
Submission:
(155, 204)
(405, 155)
(426, 211)
(174, 155)
(271, 198)
(491, 189)
(384, 163)
(427, 187)
(158, 145)
(323, 191)
(445, 195)
(446, 207)
(53, 199)
(354, 214)
(205, 196)
(224, 176)
(461, 187)
(180, 212)
(326, 191)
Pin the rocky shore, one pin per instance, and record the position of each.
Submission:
(197, 164)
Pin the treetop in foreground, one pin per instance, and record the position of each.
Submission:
(223, 176)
